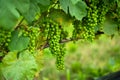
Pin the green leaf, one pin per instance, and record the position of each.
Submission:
(76, 8)
(11, 10)
(31, 12)
(18, 42)
(22, 68)
(110, 28)
(44, 2)
(22, 5)
(8, 15)
(35, 7)
(44, 5)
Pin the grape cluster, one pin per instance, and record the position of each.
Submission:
(77, 29)
(4, 39)
(60, 58)
(44, 27)
(56, 48)
(85, 29)
(54, 37)
(90, 22)
(102, 10)
(63, 35)
(32, 33)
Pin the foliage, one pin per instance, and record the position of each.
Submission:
(12, 67)
(29, 26)
(18, 40)
(90, 60)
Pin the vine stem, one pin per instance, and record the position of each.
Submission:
(19, 22)
(46, 45)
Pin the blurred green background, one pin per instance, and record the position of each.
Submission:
(84, 60)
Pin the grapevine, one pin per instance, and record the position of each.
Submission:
(31, 26)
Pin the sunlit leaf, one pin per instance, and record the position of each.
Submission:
(22, 68)
(76, 8)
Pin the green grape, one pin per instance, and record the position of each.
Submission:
(46, 29)
(90, 22)
(60, 58)
(60, 63)
(102, 11)
(63, 35)
(5, 38)
(85, 29)
(32, 33)
(77, 29)
(54, 37)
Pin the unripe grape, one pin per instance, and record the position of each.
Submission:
(54, 37)
(5, 38)
(32, 33)
(85, 28)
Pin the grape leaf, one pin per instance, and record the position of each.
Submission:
(18, 42)
(44, 2)
(8, 15)
(43, 5)
(22, 5)
(11, 10)
(35, 7)
(31, 12)
(22, 68)
(76, 8)
(110, 28)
